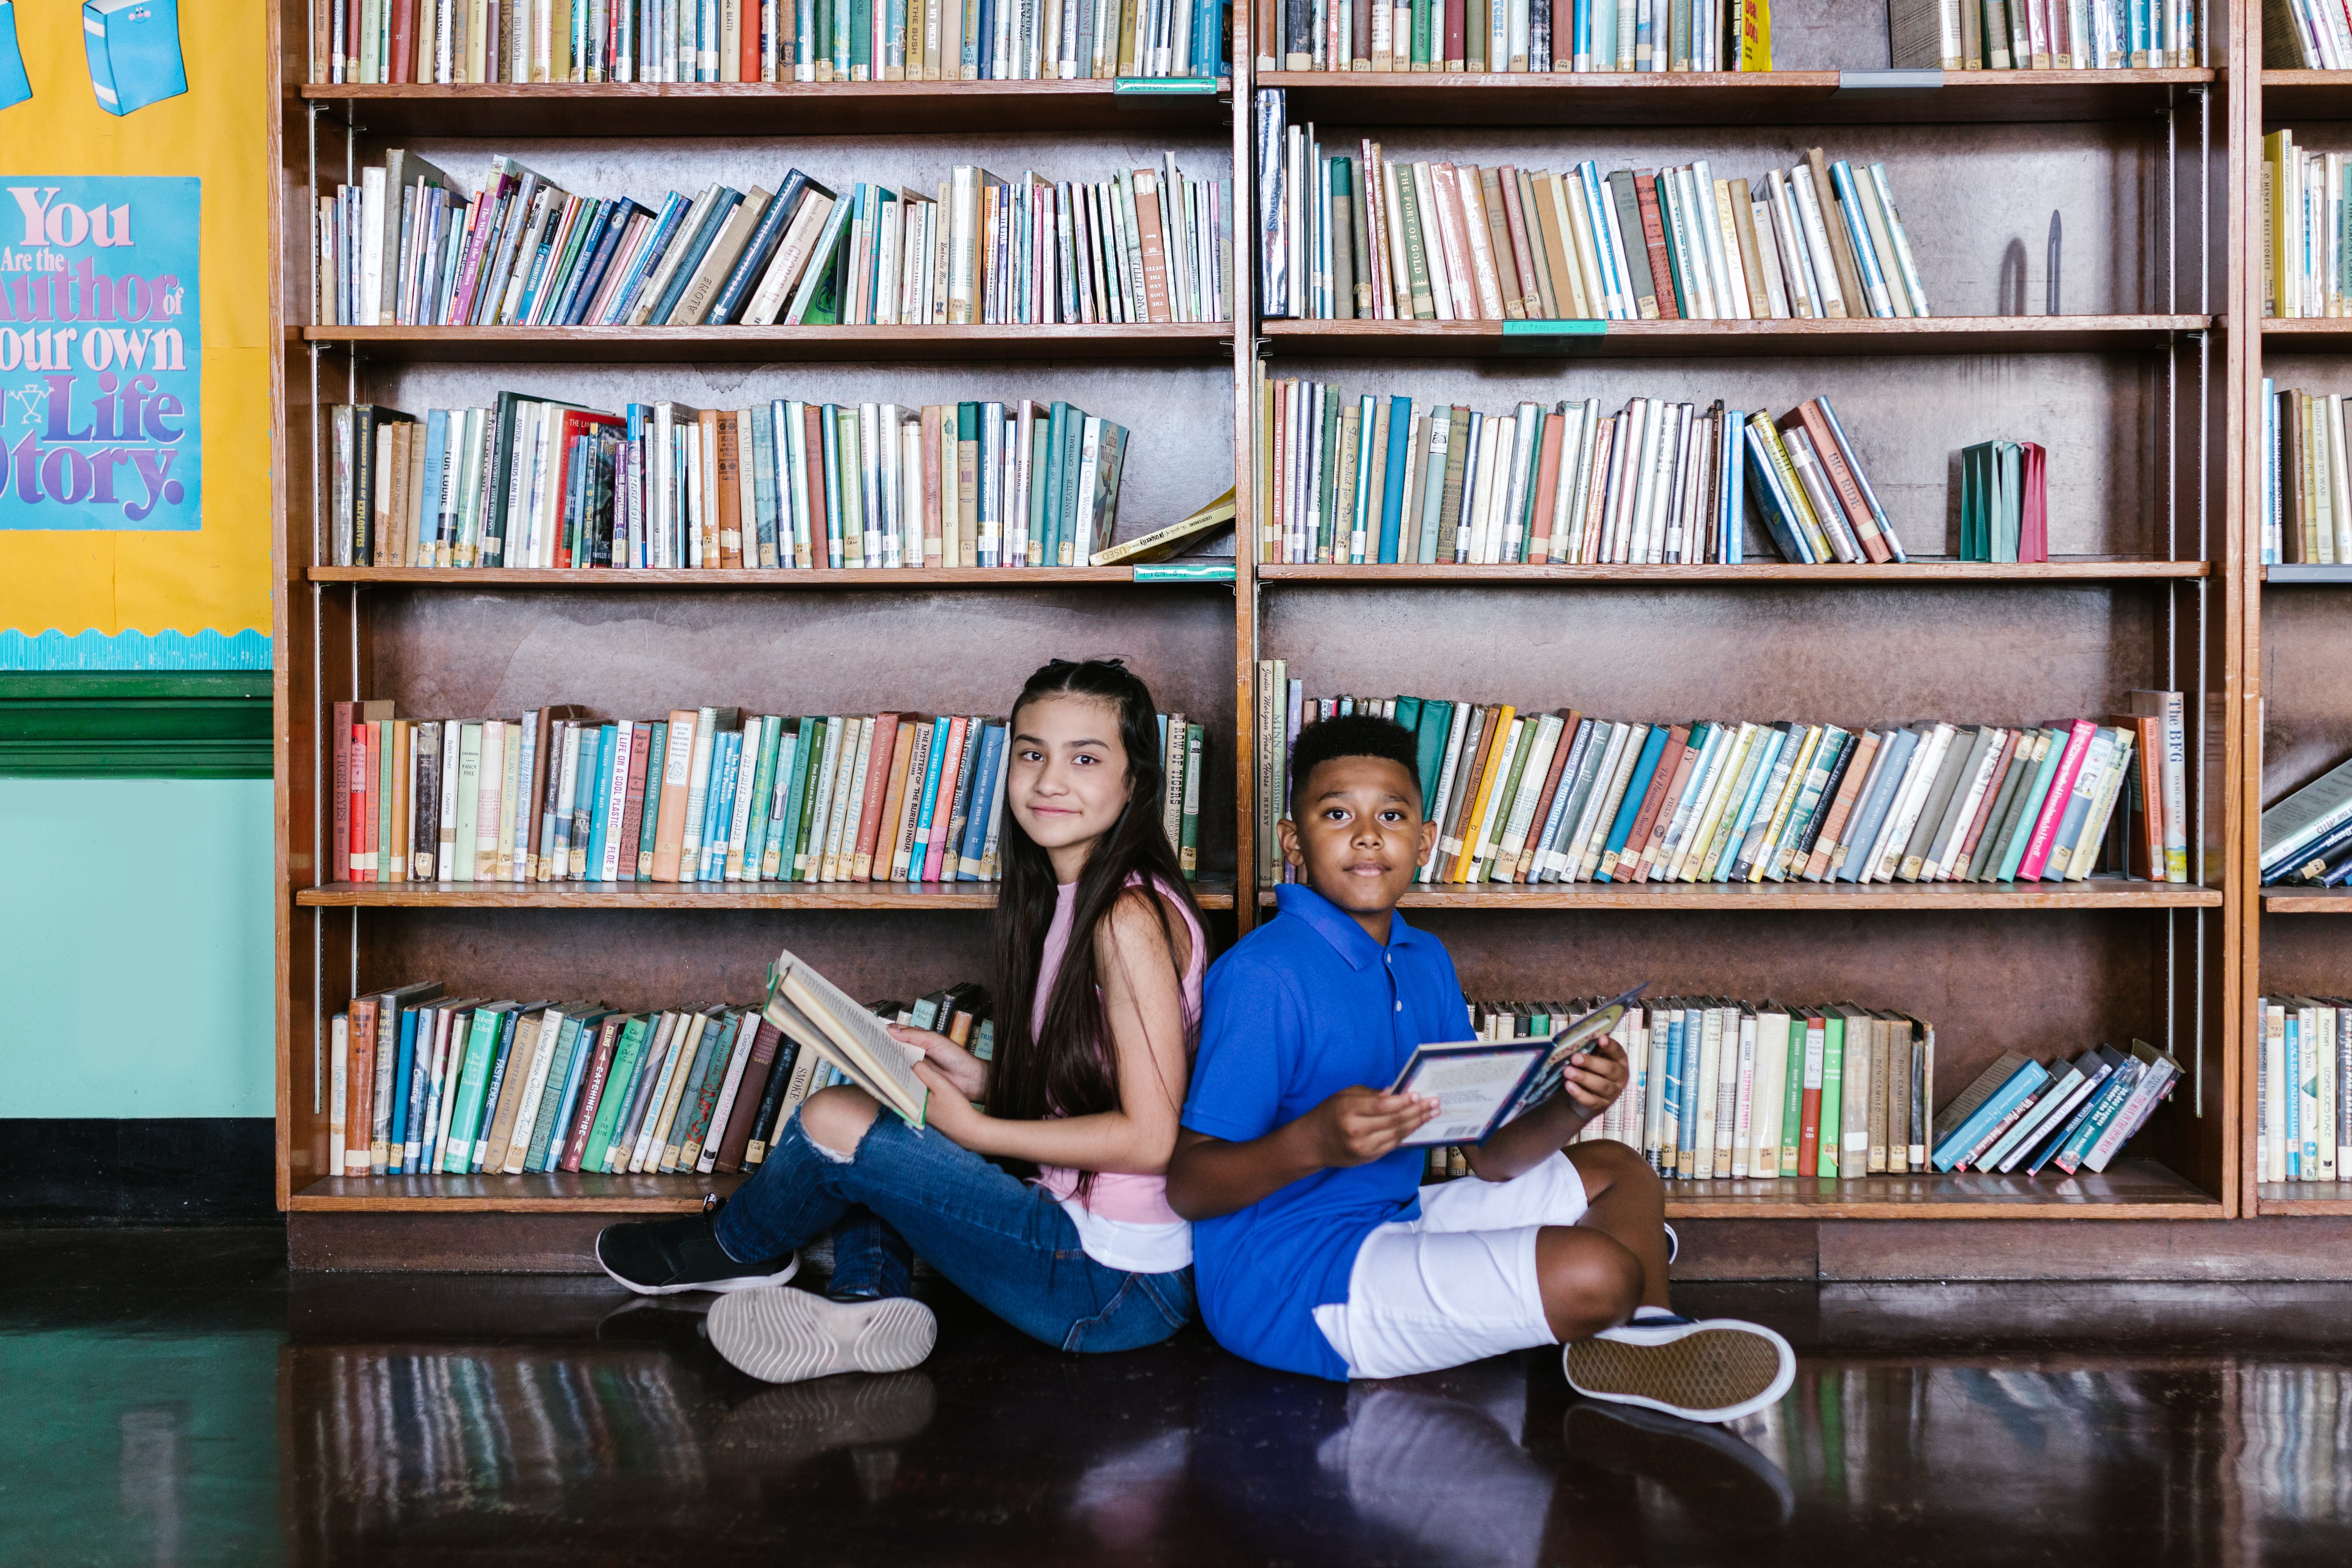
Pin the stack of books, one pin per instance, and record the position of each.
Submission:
(2306, 262)
(2308, 836)
(1527, 797)
(407, 247)
(534, 481)
(2075, 1115)
(769, 40)
(2306, 478)
(2305, 34)
(704, 795)
(2044, 34)
(1372, 479)
(1368, 237)
(1515, 35)
(422, 1083)
(2004, 501)
(2303, 1133)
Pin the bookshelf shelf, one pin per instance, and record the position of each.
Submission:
(817, 578)
(1204, 340)
(1209, 895)
(2290, 97)
(2285, 900)
(1726, 98)
(2306, 1198)
(2077, 570)
(2128, 1189)
(547, 1192)
(2093, 893)
(767, 109)
(1734, 340)
(2307, 335)
(2306, 575)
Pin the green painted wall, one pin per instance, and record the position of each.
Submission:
(135, 948)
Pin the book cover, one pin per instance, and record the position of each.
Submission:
(133, 49)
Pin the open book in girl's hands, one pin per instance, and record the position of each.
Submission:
(1481, 1085)
(806, 1007)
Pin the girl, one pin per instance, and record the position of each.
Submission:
(1097, 963)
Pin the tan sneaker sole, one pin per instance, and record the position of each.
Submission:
(1713, 1371)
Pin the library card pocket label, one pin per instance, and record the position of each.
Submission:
(101, 352)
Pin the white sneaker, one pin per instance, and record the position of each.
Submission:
(1718, 1370)
(790, 1336)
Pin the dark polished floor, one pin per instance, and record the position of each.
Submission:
(176, 1398)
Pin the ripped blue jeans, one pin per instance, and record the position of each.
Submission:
(1005, 1244)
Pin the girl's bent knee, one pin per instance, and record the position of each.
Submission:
(836, 1120)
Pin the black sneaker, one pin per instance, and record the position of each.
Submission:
(664, 1257)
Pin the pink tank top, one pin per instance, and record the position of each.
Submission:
(1124, 1195)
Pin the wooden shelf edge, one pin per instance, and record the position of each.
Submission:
(1767, 897)
(1209, 895)
(818, 577)
(1746, 572)
(2285, 900)
(1939, 335)
(2020, 1208)
(625, 91)
(1204, 341)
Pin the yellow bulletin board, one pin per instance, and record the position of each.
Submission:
(135, 359)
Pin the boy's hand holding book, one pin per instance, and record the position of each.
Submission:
(1594, 1079)
(1357, 1126)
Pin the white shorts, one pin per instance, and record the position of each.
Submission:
(1458, 1284)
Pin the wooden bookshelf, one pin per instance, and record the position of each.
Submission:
(2148, 378)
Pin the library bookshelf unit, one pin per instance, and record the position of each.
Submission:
(2138, 389)
(2298, 623)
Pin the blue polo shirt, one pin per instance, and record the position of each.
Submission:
(1304, 1006)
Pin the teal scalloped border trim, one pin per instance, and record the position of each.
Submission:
(207, 649)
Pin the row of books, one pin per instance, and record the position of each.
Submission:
(2304, 1131)
(407, 247)
(422, 1082)
(1371, 237)
(2044, 34)
(2004, 501)
(1366, 478)
(2306, 35)
(2308, 836)
(705, 795)
(1516, 36)
(531, 481)
(761, 41)
(2306, 261)
(2077, 1115)
(1528, 797)
(2306, 476)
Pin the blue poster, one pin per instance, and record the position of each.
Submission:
(101, 352)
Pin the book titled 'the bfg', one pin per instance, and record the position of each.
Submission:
(135, 52)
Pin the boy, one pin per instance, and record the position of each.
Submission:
(1316, 1250)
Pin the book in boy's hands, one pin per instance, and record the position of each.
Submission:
(814, 1011)
(1481, 1085)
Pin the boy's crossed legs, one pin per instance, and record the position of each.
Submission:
(1564, 1253)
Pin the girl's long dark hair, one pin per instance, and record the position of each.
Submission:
(1068, 1067)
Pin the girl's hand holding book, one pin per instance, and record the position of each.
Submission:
(952, 1065)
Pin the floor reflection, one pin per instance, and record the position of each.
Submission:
(495, 1421)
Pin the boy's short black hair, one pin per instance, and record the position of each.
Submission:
(1352, 735)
